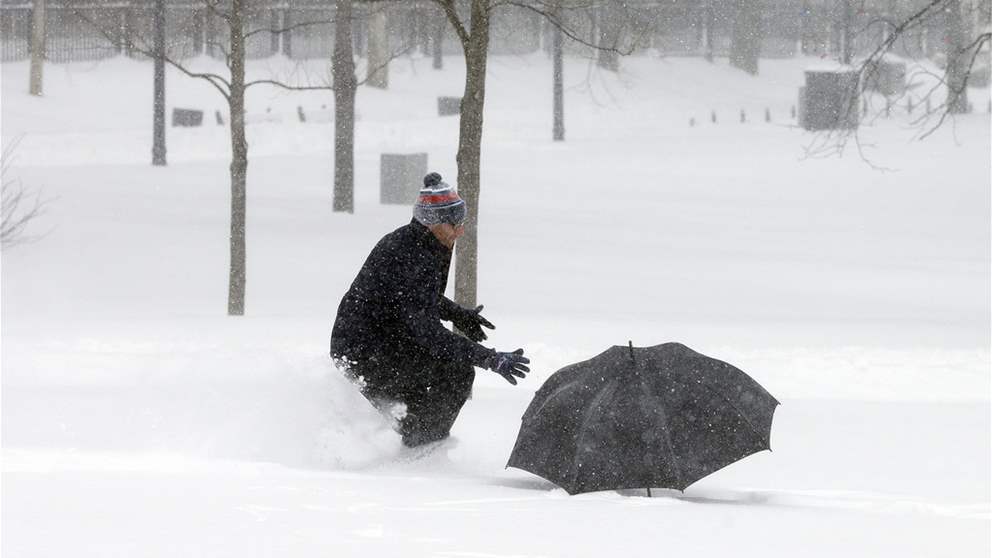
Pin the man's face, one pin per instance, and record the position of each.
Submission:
(447, 233)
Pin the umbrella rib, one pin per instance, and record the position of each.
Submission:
(668, 442)
(585, 419)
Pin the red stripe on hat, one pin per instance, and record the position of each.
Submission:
(439, 198)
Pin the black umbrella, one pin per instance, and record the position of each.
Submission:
(663, 416)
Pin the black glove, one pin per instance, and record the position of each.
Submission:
(470, 323)
(509, 365)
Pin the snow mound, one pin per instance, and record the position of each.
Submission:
(287, 408)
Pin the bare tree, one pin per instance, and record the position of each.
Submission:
(233, 87)
(473, 33)
(437, 41)
(964, 45)
(20, 206)
(158, 108)
(745, 46)
(345, 90)
(37, 46)
(609, 25)
(557, 79)
(377, 49)
(475, 43)
(846, 31)
(707, 25)
(959, 59)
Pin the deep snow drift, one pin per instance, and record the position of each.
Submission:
(139, 420)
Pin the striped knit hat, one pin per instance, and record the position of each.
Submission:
(439, 203)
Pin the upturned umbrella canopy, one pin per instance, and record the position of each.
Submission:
(652, 417)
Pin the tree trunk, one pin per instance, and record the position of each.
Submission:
(846, 32)
(470, 153)
(422, 31)
(239, 162)
(806, 29)
(128, 31)
(438, 42)
(377, 70)
(609, 38)
(708, 24)
(345, 84)
(558, 88)
(287, 36)
(958, 60)
(158, 103)
(37, 47)
(745, 47)
(198, 32)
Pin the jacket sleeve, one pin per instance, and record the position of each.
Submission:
(421, 317)
(424, 327)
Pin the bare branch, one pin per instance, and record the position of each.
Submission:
(378, 67)
(216, 80)
(833, 142)
(288, 87)
(954, 92)
(19, 206)
(868, 68)
(212, 6)
(449, 9)
(211, 78)
(550, 12)
(223, 50)
(288, 28)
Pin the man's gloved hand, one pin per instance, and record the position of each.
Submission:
(509, 365)
(470, 323)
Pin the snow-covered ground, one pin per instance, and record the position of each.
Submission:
(140, 420)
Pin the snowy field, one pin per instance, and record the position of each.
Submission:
(139, 420)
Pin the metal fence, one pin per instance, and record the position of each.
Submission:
(76, 31)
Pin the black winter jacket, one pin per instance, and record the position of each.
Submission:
(394, 308)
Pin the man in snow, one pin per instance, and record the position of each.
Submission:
(388, 333)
